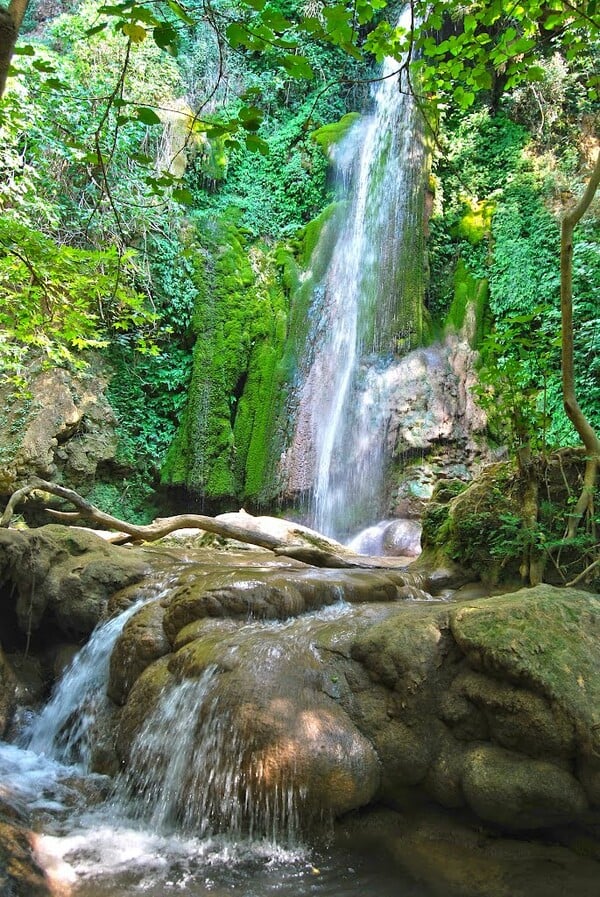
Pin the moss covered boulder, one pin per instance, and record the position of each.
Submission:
(490, 704)
(508, 526)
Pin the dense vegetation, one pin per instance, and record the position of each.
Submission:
(164, 179)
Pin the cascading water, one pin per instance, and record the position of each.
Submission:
(64, 728)
(365, 311)
(189, 814)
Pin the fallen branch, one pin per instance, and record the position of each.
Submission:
(584, 573)
(294, 541)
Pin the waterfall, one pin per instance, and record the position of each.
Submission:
(65, 729)
(365, 311)
(212, 783)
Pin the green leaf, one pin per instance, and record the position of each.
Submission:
(183, 196)
(297, 67)
(136, 33)
(96, 29)
(147, 116)
(55, 84)
(178, 10)
(257, 145)
(251, 118)
(236, 34)
(27, 50)
(166, 38)
(42, 65)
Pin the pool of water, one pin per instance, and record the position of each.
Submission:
(120, 863)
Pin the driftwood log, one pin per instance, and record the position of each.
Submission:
(297, 542)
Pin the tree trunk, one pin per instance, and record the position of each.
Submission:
(574, 412)
(11, 18)
(296, 542)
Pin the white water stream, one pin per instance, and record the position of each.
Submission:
(362, 311)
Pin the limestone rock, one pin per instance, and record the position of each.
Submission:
(66, 574)
(283, 730)
(453, 858)
(545, 639)
(520, 793)
(67, 426)
(141, 642)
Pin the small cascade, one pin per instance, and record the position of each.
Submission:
(64, 730)
(365, 312)
(212, 783)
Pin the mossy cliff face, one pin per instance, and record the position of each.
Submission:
(221, 447)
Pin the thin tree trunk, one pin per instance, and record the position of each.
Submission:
(11, 19)
(575, 414)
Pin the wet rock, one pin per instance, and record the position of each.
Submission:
(489, 704)
(454, 858)
(402, 538)
(141, 642)
(8, 686)
(20, 874)
(283, 731)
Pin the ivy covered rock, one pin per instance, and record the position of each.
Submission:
(509, 525)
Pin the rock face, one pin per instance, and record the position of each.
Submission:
(7, 693)
(65, 429)
(63, 577)
(432, 426)
(489, 705)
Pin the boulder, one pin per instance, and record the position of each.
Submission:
(65, 575)
(255, 702)
(490, 704)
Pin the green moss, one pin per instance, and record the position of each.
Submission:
(304, 265)
(476, 221)
(221, 447)
(547, 638)
(328, 135)
(469, 308)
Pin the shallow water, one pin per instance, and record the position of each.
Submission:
(92, 852)
(113, 862)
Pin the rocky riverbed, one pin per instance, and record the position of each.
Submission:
(458, 731)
